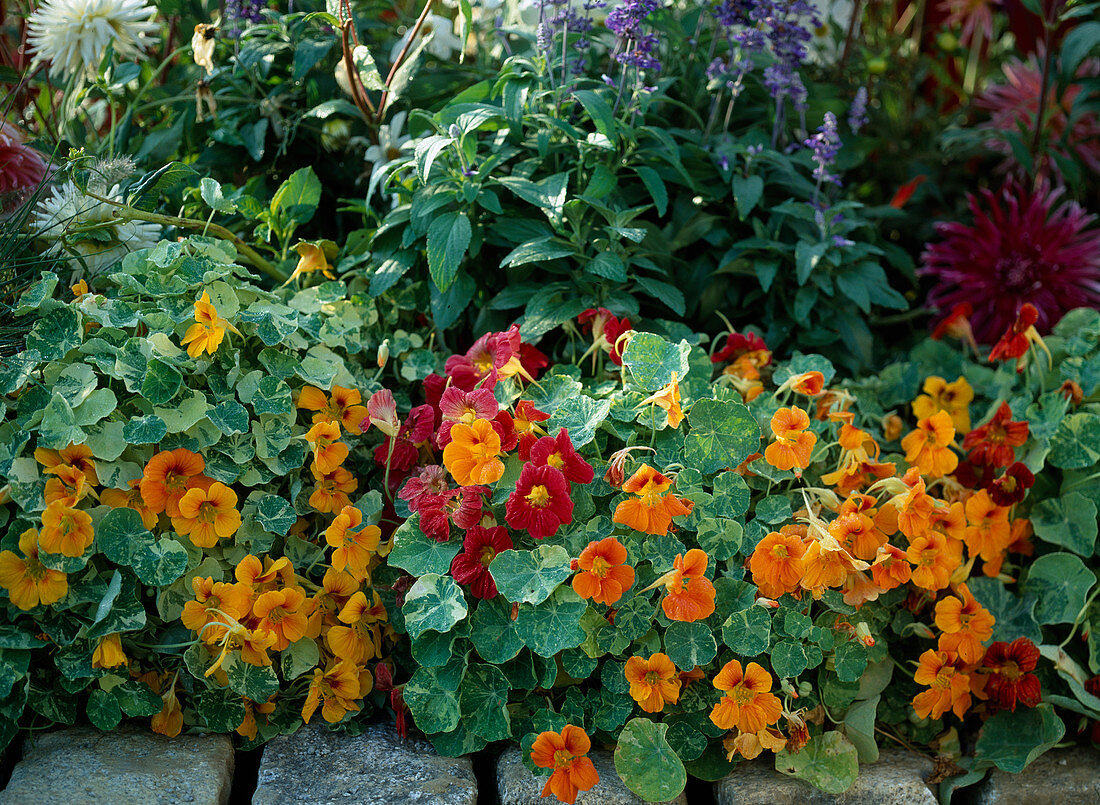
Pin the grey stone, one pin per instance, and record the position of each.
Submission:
(516, 785)
(897, 778)
(377, 767)
(1061, 777)
(130, 766)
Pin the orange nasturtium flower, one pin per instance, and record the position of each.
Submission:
(78, 456)
(168, 475)
(337, 687)
(891, 567)
(65, 530)
(934, 557)
(281, 613)
(567, 754)
(653, 507)
(206, 334)
(667, 398)
(602, 573)
(108, 652)
(208, 515)
(29, 582)
(965, 624)
(354, 545)
(776, 564)
(357, 640)
(793, 443)
(928, 448)
(653, 682)
(748, 704)
(328, 451)
(216, 602)
(472, 454)
(689, 594)
(939, 395)
(332, 490)
(121, 499)
(68, 485)
(988, 531)
(314, 257)
(948, 686)
(342, 406)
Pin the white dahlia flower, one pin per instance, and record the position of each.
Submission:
(86, 230)
(73, 34)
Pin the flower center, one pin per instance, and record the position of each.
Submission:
(780, 551)
(539, 496)
(488, 554)
(555, 460)
(652, 677)
(562, 758)
(600, 566)
(741, 694)
(276, 615)
(943, 678)
(207, 512)
(1010, 671)
(1017, 272)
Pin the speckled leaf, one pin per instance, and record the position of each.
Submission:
(829, 762)
(647, 763)
(434, 602)
(483, 700)
(748, 631)
(689, 644)
(723, 434)
(1012, 739)
(1068, 521)
(530, 576)
(553, 625)
(420, 554)
(1061, 582)
(652, 360)
(580, 416)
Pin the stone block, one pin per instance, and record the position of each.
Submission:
(1060, 777)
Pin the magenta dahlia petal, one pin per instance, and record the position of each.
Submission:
(1023, 247)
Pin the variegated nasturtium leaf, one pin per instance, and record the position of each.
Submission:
(103, 710)
(1014, 616)
(1010, 740)
(723, 434)
(530, 576)
(788, 658)
(160, 563)
(829, 762)
(1076, 443)
(419, 554)
(493, 631)
(483, 700)
(432, 696)
(850, 661)
(1068, 521)
(255, 682)
(748, 631)
(1061, 583)
(433, 602)
(580, 415)
(652, 360)
(647, 763)
(121, 534)
(275, 514)
(689, 644)
(553, 625)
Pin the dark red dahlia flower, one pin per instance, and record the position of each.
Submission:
(1010, 680)
(479, 548)
(1024, 247)
(541, 502)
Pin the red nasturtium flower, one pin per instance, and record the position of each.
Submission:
(992, 444)
(653, 682)
(605, 329)
(965, 624)
(526, 424)
(793, 442)
(558, 451)
(567, 754)
(540, 502)
(342, 406)
(748, 704)
(480, 547)
(462, 506)
(948, 686)
(472, 455)
(1018, 338)
(776, 563)
(1010, 678)
(602, 573)
(653, 507)
(1011, 487)
(689, 594)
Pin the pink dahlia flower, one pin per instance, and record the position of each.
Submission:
(1015, 104)
(21, 167)
(1024, 247)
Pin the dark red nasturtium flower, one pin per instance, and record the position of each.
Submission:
(1012, 486)
(479, 548)
(1024, 247)
(994, 443)
(1015, 341)
(1010, 678)
(541, 503)
(605, 329)
(430, 480)
(737, 344)
(462, 506)
(457, 405)
(559, 452)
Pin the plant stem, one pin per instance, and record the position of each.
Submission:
(401, 57)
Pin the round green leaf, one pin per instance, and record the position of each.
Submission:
(553, 625)
(1061, 582)
(652, 360)
(748, 631)
(120, 534)
(829, 762)
(1068, 521)
(434, 602)
(647, 763)
(1012, 739)
(419, 554)
(493, 631)
(483, 700)
(1076, 443)
(103, 710)
(689, 644)
(160, 563)
(530, 576)
(723, 434)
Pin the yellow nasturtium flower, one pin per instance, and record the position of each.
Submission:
(206, 334)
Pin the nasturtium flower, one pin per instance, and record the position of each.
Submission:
(915, 507)
(341, 406)
(77, 456)
(1009, 667)
(776, 563)
(933, 557)
(793, 442)
(540, 503)
(1017, 339)
(567, 754)
(264, 574)
(558, 451)
(314, 256)
(65, 530)
(328, 451)
(653, 506)
(965, 624)
(335, 689)
(108, 652)
(667, 398)
(332, 490)
(606, 331)
(654, 682)
(472, 455)
(1012, 485)
(811, 384)
(750, 745)
(826, 564)
(748, 704)
(462, 506)
(466, 407)
(169, 721)
(168, 476)
(215, 602)
(354, 543)
(988, 531)
(132, 499)
(206, 334)
(857, 533)
(208, 515)
(602, 572)
(281, 612)
(356, 639)
(382, 413)
(948, 686)
(29, 582)
(471, 566)
(993, 443)
(928, 448)
(525, 422)
(891, 568)
(67, 485)
(689, 594)
(939, 395)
